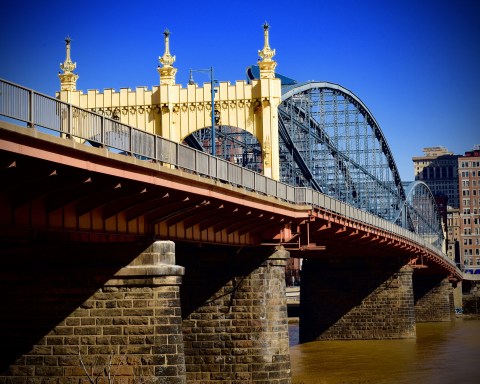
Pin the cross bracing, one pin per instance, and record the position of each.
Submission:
(233, 144)
(330, 141)
(341, 145)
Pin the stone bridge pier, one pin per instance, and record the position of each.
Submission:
(77, 313)
(346, 298)
(235, 324)
(434, 299)
(88, 311)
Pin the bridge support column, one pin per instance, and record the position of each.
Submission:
(235, 315)
(356, 298)
(129, 327)
(149, 288)
(434, 299)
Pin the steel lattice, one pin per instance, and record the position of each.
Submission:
(342, 151)
(232, 144)
(420, 214)
(330, 141)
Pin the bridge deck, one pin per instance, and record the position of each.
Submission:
(57, 185)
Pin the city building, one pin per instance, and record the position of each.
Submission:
(438, 168)
(469, 187)
(453, 234)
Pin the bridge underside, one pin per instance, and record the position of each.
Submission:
(66, 196)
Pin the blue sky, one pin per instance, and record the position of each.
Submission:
(415, 64)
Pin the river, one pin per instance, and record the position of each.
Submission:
(442, 353)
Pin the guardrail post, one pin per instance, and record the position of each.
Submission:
(196, 162)
(130, 144)
(30, 123)
(155, 159)
(177, 154)
(69, 121)
(210, 172)
(102, 132)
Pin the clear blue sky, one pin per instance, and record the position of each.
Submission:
(415, 64)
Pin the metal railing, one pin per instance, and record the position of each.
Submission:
(68, 121)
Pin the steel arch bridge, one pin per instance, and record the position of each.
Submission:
(330, 142)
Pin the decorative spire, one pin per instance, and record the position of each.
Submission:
(266, 53)
(167, 72)
(267, 65)
(68, 79)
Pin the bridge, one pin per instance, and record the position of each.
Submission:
(127, 252)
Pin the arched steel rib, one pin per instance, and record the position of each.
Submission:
(352, 98)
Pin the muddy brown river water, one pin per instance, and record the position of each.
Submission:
(442, 353)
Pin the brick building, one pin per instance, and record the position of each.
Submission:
(469, 187)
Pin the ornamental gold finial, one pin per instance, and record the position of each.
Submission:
(167, 59)
(68, 79)
(267, 65)
(266, 53)
(167, 72)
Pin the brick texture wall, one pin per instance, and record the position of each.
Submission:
(70, 310)
(235, 318)
(433, 298)
(356, 298)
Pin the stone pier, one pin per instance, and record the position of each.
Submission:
(235, 317)
(86, 322)
(356, 298)
(434, 300)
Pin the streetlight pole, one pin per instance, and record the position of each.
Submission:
(212, 81)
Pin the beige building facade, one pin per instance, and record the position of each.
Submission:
(438, 168)
(453, 234)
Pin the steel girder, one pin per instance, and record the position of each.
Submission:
(342, 146)
(330, 141)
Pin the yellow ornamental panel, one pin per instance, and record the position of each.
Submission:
(107, 98)
(124, 97)
(175, 112)
(99, 100)
(91, 98)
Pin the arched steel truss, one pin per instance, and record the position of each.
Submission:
(420, 214)
(330, 141)
(342, 150)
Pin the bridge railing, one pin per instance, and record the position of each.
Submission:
(68, 121)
